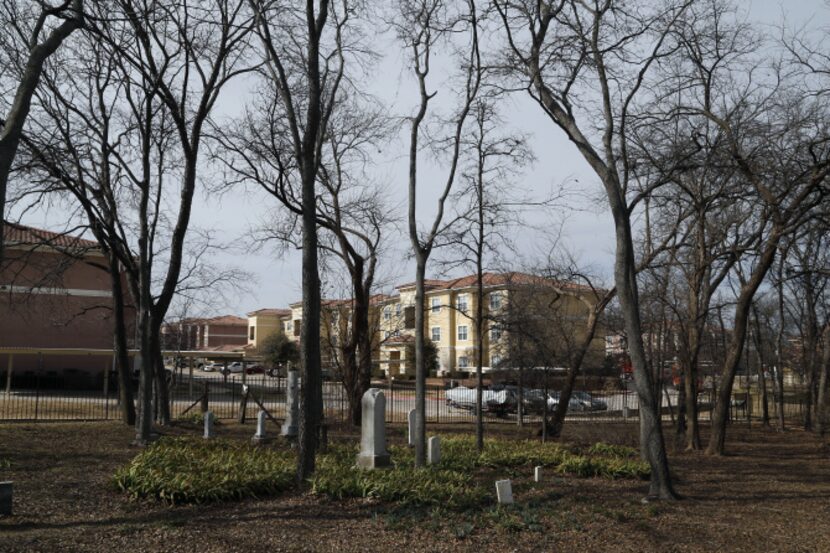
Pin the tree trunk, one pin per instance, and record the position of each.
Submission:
(311, 391)
(479, 317)
(822, 407)
(162, 390)
(554, 428)
(144, 422)
(420, 362)
(730, 366)
(652, 445)
(125, 383)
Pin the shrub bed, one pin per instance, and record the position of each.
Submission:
(191, 470)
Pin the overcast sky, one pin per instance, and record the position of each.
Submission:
(586, 225)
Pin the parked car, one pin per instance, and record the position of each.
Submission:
(586, 402)
(215, 366)
(255, 368)
(235, 367)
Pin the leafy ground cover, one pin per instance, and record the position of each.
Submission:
(772, 493)
(192, 470)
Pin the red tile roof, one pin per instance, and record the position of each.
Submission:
(270, 311)
(14, 233)
(495, 279)
(220, 320)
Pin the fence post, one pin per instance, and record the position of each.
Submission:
(9, 374)
(107, 389)
(205, 399)
(190, 379)
(37, 382)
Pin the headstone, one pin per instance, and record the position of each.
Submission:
(504, 492)
(537, 474)
(290, 428)
(411, 420)
(373, 452)
(5, 498)
(209, 425)
(261, 435)
(434, 450)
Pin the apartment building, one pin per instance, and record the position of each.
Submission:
(525, 303)
(264, 322)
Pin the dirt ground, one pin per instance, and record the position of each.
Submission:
(772, 493)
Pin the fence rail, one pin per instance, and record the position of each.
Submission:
(45, 399)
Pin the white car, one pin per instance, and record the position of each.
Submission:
(235, 367)
(215, 366)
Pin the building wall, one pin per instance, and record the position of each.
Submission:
(456, 354)
(49, 300)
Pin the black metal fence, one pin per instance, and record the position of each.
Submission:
(47, 399)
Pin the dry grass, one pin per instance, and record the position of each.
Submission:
(771, 494)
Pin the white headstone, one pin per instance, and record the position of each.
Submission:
(434, 450)
(411, 420)
(537, 474)
(261, 435)
(6, 498)
(208, 425)
(373, 452)
(504, 492)
(290, 428)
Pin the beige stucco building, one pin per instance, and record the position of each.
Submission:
(449, 320)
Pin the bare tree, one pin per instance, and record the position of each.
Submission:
(561, 52)
(30, 32)
(305, 58)
(351, 213)
(487, 207)
(420, 26)
(774, 133)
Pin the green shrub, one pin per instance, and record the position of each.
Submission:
(610, 450)
(590, 467)
(189, 470)
(460, 452)
(336, 476)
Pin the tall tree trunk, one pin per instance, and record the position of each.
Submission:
(122, 360)
(779, 345)
(479, 313)
(144, 421)
(652, 445)
(823, 403)
(730, 366)
(311, 391)
(420, 361)
(162, 390)
(762, 383)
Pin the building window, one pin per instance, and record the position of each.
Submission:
(436, 305)
(297, 324)
(436, 334)
(461, 303)
(398, 310)
(462, 332)
(495, 333)
(251, 332)
(495, 360)
(409, 317)
(463, 361)
(387, 313)
(386, 335)
(495, 301)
